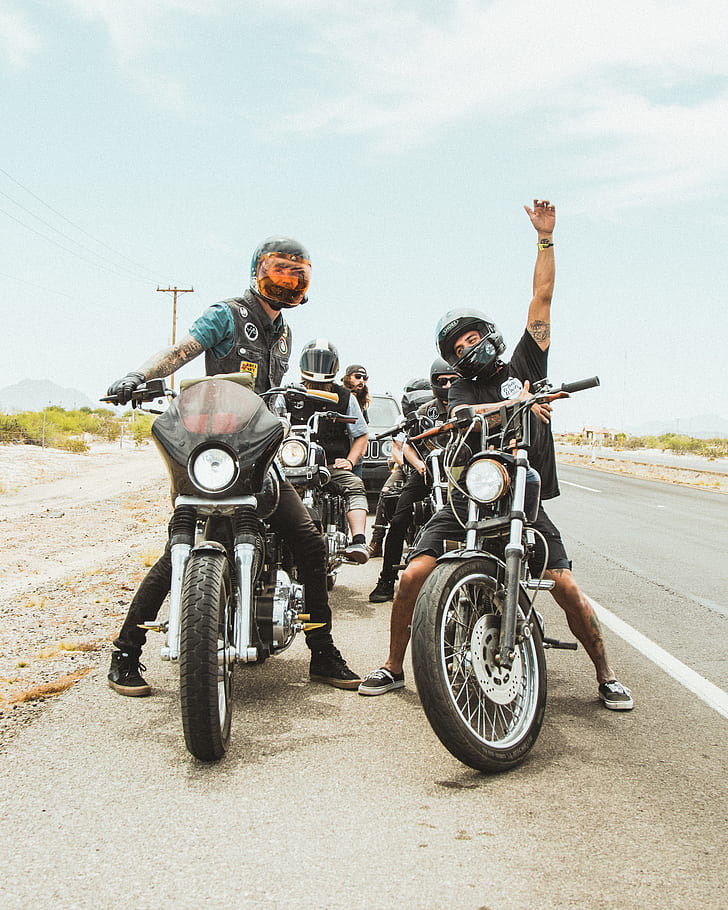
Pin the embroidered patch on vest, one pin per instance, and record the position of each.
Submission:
(251, 331)
(247, 367)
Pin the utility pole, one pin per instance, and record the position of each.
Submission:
(174, 292)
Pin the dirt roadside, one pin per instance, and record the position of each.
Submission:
(79, 534)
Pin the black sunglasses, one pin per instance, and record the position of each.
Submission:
(444, 381)
(360, 376)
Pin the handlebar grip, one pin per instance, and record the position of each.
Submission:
(580, 384)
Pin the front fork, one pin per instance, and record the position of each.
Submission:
(514, 555)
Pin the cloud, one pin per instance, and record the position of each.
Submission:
(18, 42)
(648, 82)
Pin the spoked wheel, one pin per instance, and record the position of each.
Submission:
(487, 716)
(206, 642)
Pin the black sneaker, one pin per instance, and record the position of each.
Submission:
(615, 696)
(124, 676)
(383, 592)
(330, 667)
(380, 681)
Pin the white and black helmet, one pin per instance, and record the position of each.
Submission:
(319, 361)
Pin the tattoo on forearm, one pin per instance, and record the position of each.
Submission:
(170, 360)
(540, 331)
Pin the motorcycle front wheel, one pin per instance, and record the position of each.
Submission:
(486, 716)
(206, 642)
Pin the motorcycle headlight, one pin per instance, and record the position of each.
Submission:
(213, 470)
(486, 480)
(293, 453)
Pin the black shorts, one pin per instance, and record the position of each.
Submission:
(444, 526)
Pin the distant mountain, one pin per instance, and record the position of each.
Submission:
(702, 426)
(36, 394)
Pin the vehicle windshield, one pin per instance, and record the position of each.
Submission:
(383, 412)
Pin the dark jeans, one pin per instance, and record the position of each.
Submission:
(415, 490)
(292, 522)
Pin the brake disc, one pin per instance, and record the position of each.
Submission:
(500, 684)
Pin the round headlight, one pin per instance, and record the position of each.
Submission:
(213, 470)
(386, 449)
(486, 480)
(293, 453)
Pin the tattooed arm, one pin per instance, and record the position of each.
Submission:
(168, 361)
(538, 325)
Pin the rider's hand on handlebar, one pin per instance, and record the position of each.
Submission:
(122, 389)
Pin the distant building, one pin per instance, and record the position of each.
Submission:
(597, 435)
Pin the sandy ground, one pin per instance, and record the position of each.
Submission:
(79, 533)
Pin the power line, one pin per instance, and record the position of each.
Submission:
(73, 224)
(72, 252)
(67, 237)
(32, 284)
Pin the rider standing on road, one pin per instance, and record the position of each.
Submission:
(344, 444)
(472, 345)
(355, 380)
(416, 487)
(241, 334)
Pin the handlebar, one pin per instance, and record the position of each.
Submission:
(150, 390)
(545, 392)
(579, 385)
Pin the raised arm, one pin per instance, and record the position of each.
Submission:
(538, 325)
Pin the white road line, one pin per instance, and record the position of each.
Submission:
(566, 483)
(711, 694)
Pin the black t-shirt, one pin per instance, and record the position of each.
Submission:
(528, 362)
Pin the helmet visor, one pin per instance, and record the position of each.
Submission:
(283, 278)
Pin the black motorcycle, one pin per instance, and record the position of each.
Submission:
(234, 596)
(477, 641)
(303, 461)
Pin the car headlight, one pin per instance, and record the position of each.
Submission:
(486, 480)
(386, 449)
(213, 469)
(293, 453)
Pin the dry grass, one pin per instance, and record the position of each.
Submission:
(46, 690)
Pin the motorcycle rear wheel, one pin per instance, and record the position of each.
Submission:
(206, 641)
(487, 717)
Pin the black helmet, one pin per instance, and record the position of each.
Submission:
(319, 360)
(412, 399)
(415, 384)
(438, 370)
(280, 272)
(479, 359)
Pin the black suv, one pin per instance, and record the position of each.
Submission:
(383, 413)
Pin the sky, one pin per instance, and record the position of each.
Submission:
(154, 143)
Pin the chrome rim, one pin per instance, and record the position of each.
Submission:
(497, 705)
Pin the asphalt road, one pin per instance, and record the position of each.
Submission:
(327, 799)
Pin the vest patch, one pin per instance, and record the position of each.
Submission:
(243, 310)
(251, 331)
(511, 387)
(247, 367)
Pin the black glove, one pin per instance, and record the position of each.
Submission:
(123, 388)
